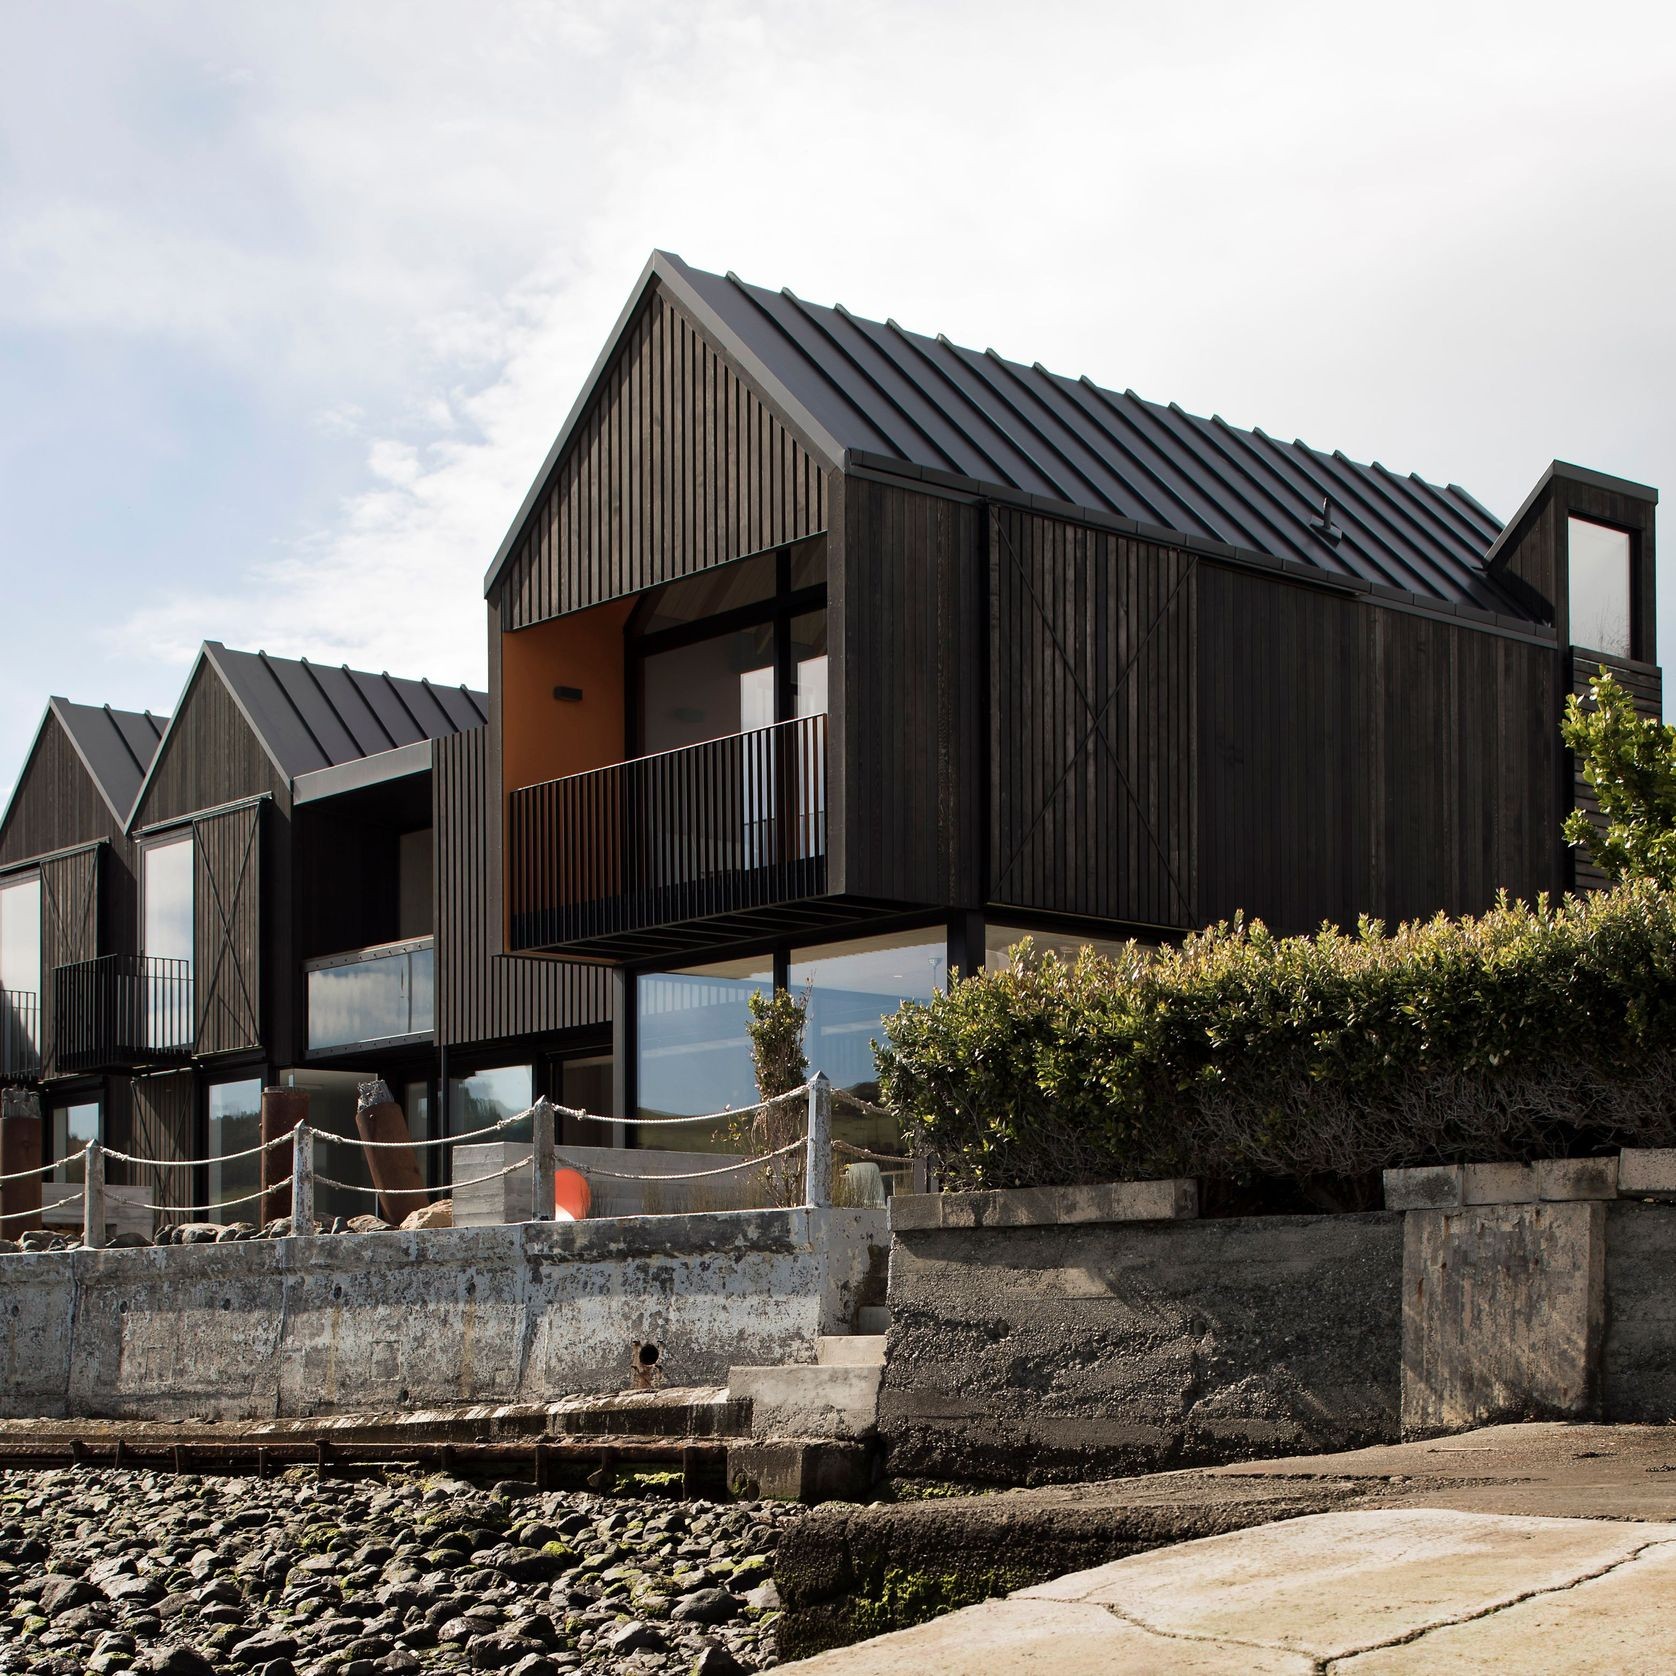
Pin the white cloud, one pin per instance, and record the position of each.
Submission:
(1441, 239)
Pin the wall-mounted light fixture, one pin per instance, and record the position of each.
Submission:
(568, 695)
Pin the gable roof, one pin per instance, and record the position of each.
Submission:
(307, 716)
(866, 395)
(116, 748)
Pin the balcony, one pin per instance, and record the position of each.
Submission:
(673, 852)
(121, 1012)
(373, 997)
(20, 1035)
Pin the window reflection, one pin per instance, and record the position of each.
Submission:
(999, 941)
(707, 690)
(73, 1126)
(1600, 588)
(235, 1124)
(852, 986)
(485, 1097)
(693, 1053)
(20, 969)
(372, 999)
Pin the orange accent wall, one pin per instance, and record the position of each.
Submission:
(542, 738)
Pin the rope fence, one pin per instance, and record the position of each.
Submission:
(290, 1194)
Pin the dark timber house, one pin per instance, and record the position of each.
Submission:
(251, 893)
(825, 652)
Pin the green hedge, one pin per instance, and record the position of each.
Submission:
(1527, 1032)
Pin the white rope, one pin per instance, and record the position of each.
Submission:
(691, 1175)
(57, 1204)
(702, 1117)
(442, 1140)
(475, 1181)
(39, 1170)
(219, 1204)
(843, 1094)
(350, 1186)
(189, 1163)
(874, 1157)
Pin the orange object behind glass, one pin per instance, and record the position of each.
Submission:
(571, 1194)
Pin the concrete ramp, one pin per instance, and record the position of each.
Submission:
(1355, 1594)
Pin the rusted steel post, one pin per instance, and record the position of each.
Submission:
(20, 1149)
(394, 1169)
(282, 1110)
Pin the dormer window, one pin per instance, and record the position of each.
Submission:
(1602, 610)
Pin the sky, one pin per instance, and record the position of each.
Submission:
(293, 298)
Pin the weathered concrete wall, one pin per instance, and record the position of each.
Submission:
(1638, 1358)
(264, 1328)
(1033, 1353)
(1503, 1313)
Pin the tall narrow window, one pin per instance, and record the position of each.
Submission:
(20, 971)
(166, 933)
(1601, 597)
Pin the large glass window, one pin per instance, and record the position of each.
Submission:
(707, 690)
(332, 1099)
(485, 1097)
(731, 650)
(235, 1124)
(74, 1124)
(852, 986)
(999, 941)
(166, 938)
(20, 969)
(1601, 610)
(692, 1053)
(361, 998)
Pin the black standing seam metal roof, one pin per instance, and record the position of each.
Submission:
(314, 715)
(116, 745)
(309, 716)
(878, 396)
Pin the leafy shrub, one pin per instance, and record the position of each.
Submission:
(1526, 1032)
(1630, 762)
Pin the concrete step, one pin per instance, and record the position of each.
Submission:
(852, 1350)
(873, 1318)
(820, 1400)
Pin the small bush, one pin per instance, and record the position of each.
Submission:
(1531, 1031)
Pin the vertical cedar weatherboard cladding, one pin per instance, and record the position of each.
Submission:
(1358, 760)
(676, 467)
(227, 929)
(1282, 807)
(483, 996)
(909, 632)
(1092, 706)
(164, 1113)
(56, 806)
(70, 887)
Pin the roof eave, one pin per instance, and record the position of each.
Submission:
(1563, 469)
(664, 267)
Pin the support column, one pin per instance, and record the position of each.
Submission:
(394, 1169)
(282, 1110)
(20, 1149)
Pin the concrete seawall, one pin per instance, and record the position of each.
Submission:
(274, 1328)
(1098, 1348)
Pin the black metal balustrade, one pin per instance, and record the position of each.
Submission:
(122, 1010)
(20, 1035)
(709, 833)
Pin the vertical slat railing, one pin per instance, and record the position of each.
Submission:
(728, 825)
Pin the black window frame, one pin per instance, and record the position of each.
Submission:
(780, 609)
(1637, 638)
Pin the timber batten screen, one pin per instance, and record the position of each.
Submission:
(677, 466)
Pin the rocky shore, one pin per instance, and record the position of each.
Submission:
(106, 1571)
